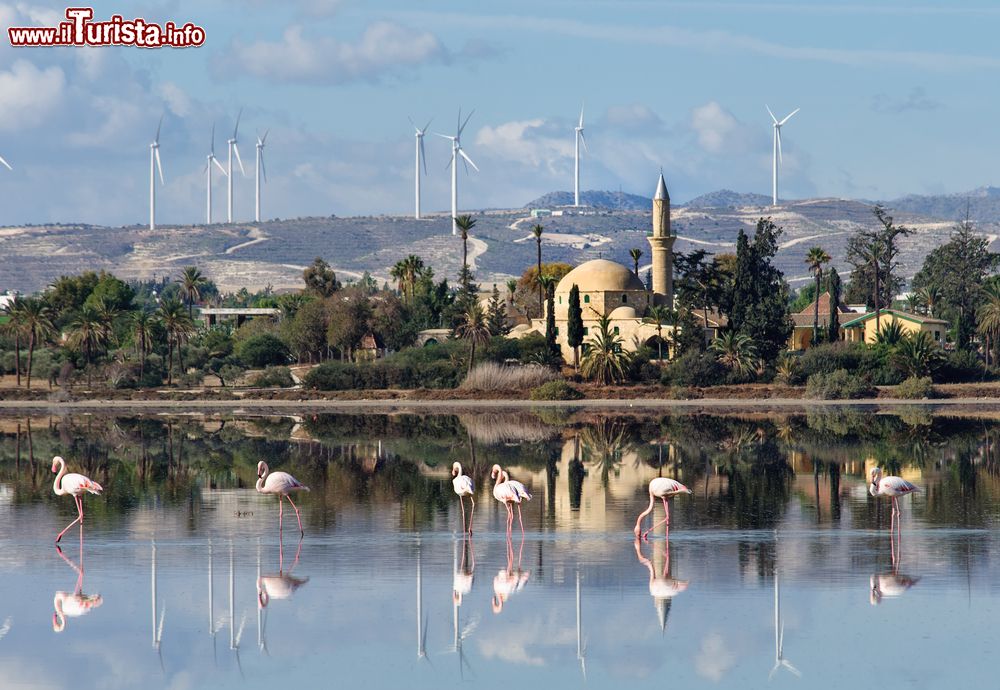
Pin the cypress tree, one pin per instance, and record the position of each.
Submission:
(833, 286)
(574, 327)
(550, 317)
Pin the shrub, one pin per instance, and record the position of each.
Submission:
(960, 366)
(262, 350)
(694, 368)
(491, 376)
(827, 358)
(555, 390)
(915, 388)
(332, 376)
(787, 370)
(838, 385)
(274, 377)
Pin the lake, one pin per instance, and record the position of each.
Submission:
(779, 569)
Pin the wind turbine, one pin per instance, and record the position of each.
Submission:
(576, 160)
(421, 158)
(154, 165)
(229, 172)
(456, 151)
(260, 169)
(208, 177)
(777, 152)
(5, 163)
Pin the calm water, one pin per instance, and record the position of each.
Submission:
(779, 563)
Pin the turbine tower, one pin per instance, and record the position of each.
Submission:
(208, 177)
(260, 169)
(154, 166)
(229, 172)
(456, 151)
(576, 160)
(777, 152)
(421, 158)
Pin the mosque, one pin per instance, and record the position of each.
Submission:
(609, 288)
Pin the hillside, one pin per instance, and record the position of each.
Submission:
(619, 201)
(501, 246)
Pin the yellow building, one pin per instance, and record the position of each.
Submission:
(864, 328)
(801, 338)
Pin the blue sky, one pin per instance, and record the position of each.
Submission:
(896, 98)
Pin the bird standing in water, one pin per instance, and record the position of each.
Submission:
(464, 487)
(282, 484)
(518, 489)
(75, 485)
(890, 486)
(660, 488)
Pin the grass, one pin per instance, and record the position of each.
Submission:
(490, 376)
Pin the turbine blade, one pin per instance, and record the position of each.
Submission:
(5, 163)
(263, 168)
(423, 155)
(264, 139)
(450, 161)
(427, 125)
(777, 134)
(159, 167)
(581, 117)
(158, 127)
(444, 136)
(584, 140)
(469, 160)
(238, 159)
(236, 129)
(212, 150)
(771, 114)
(458, 123)
(460, 129)
(219, 166)
(789, 116)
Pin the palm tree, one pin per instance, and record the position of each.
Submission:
(660, 315)
(537, 232)
(15, 328)
(989, 317)
(815, 258)
(511, 289)
(192, 282)
(636, 254)
(737, 352)
(143, 324)
(86, 334)
(178, 325)
(464, 224)
(107, 311)
(890, 334)
(604, 360)
(916, 355)
(474, 329)
(405, 272)
(38, 324)
(930, 295)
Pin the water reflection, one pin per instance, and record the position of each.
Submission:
(892, 583)
(662, 586)
(511, 579)
(157, 626)
(65, 604)
(779, 635)
(281, 585)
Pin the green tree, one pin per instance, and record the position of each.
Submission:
(349, 319)
(511, 291)
(604, 360)
(930, 297)
(872, 253)
(737, 352)
(636, 254)
(833, 287)
(700, 284)
(320, 279)
(760, 296)
(548, 284)
(262, 351)
(87, 334)
(958, 269)
(178, 326)
(37, 319)
(989, 318)
(191, 283)
(815, 258)
(916, 355)
(537, 231)
(143, 327)
(473, 328)
(660, 315)
(14, 328)
(465, 223)
(405, 273)
(305, 332)
(574, 325)
(496, 314)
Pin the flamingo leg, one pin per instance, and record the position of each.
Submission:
(471, 498)
(666, 509)
(79, 507)
(79, 518)
(302, 532)
(519, 518)
(281, 510)
(461, 501)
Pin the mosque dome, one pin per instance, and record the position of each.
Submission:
(600, 275)
(623, 312)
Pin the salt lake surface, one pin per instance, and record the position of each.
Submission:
(779, 570)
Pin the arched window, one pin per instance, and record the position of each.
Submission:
(624, 299)
(586, 299)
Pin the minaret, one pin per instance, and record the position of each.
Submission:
(661, 243)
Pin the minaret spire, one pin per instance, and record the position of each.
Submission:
(661, 244)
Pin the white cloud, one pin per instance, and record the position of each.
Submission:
(714, 659)
(634, 117)
(385, 48)
(534, 143)
(29, 94)
(714, 126)
(176, 99)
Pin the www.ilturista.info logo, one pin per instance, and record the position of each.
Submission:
(80, 30)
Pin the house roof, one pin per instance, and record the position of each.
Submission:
(824, 306)
(715, 319)
(906, 316)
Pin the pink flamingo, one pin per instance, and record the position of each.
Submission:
(890, 486)
(517, 487)
(74, 485)
(661, 488)
(280, 483)
(464, 487)
(505, 493)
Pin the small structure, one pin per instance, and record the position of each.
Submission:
(433, 336)
(370, 348)
(863, 328)
(237, 315)
(540, 213)
(801, 338)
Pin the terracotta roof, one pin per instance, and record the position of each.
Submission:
(824, 307)
(371, 342)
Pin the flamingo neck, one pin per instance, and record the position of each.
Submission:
(457, 469)
(57, 483)
(263, 477)
(649, 509)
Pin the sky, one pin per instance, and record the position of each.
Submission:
(896, 97)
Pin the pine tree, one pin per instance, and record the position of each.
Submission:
(834, 287)
(496, 314)
(574, 325)
(760, 296)
(549, 286)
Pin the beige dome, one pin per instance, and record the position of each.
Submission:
(600, 275)
(623, 312)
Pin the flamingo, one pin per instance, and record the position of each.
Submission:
(517, 487)
(464, 487)
(891, 486)
(74, 485)
(505, 493)
(280, 483)
(661, 488)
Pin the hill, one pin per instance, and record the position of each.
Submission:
(982, 205)
(621, 201)
(725, 198)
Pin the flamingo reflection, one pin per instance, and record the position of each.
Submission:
(511, 579)
(68, 605)
(662, 586)
(278, 586)
(892, 583)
